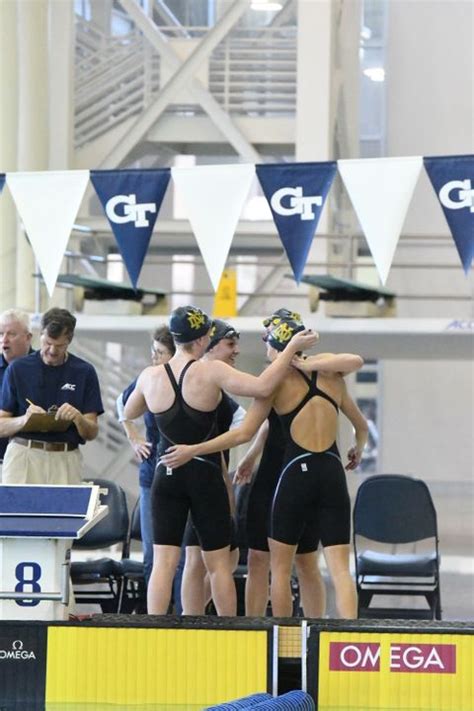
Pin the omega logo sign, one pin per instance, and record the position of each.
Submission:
(16, 652)
(420, 658)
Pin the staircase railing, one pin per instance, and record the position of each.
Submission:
(251, 72)
(111, 442)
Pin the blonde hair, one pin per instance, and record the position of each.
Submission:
(18, 316)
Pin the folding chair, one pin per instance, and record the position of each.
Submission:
(133, 592)
(103, 576)
(397, 511)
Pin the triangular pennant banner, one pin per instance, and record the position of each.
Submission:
(131, 200)
(296, 194)
(48, 203)
(381, 190)
(2, 181)
(452, 178)
(213, 196)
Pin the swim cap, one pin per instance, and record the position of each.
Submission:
(220, 330)
(280, 314)
(187, 323)
(281, 333)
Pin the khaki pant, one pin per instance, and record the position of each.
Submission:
(24, 465)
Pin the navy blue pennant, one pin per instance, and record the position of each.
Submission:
(296, 193)
(2, 181)
(452, 178)
(131, 200)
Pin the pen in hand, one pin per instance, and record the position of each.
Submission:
(37, 408)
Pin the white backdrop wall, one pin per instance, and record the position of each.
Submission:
(427, 408)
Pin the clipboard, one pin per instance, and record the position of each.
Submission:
(45, 422)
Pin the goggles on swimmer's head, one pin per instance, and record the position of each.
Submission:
(220, 330)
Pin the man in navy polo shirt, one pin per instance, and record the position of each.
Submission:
(54, 380)
(15, 342)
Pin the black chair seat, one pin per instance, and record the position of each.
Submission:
(386, 564)
(100, 568)
(133, 568)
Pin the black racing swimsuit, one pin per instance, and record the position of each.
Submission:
(196, 487)
(312, 489)
(258, 518)
(224, 416)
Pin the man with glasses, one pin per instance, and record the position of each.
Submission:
(53, 381)
(15, 342)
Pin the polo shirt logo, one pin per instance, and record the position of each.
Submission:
(69, 386)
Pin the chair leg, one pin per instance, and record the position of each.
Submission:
(364, 599)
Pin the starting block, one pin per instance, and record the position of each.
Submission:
(37, 527)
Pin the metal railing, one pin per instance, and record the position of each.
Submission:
(251, 72)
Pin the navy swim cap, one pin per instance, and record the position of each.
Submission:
(188, 323)
(280, 314)
(281, 333)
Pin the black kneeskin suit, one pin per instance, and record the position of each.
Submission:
(312, 486)
(197, 486)
(224, 416)
(260, 499)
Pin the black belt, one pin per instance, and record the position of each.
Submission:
(45, 446)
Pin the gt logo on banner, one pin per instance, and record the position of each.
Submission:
(463, 198)
(299, 204)
(296, 193)
(132, 211)
(452, 178)
(131, 200)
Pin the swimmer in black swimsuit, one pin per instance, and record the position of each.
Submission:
(270, 444)
(184, 398)
(195, 591)
(310, 436)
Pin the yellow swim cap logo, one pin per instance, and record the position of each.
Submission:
(195, 319)
(283, 333)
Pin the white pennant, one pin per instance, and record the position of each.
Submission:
(381, 190)
(48, 203)
(213, 196)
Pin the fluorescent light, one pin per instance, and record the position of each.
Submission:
(375, 73)
(265, 6)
